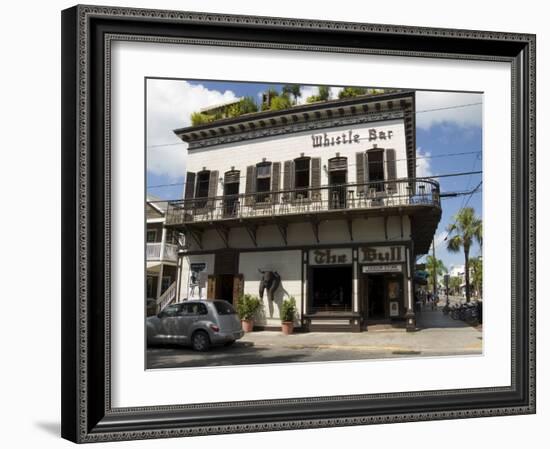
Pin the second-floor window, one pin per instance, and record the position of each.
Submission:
(202, 187)
(263, 181)
(302, 176)
(375, 169)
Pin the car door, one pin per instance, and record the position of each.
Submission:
(192, 312)
(168, 322)
(187, 317)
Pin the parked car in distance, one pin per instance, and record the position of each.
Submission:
(196, 323)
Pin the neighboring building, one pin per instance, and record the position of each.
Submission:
(323, 196)
(458, 271)
(162, 257)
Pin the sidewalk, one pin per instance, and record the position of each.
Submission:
(436, 333)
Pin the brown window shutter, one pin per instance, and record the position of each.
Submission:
(250, 185)
(211, 289)
(360, 166)
(212, 188)
(288, 178)
(189, 185)
(238, 288)
(275, 180)
(316, 177)
(391, 170)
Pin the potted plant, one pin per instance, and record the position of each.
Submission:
(288, 313)
(247, 306)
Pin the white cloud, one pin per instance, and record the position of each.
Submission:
(446, 104)
(334, 91)
(169, 106)
(307, 91)
(423, 163)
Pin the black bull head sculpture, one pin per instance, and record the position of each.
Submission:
(270, 281)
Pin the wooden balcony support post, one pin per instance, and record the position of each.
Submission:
(283, 229)
(350, 228)
(315, 227)
(386, 227)
(223, 232)
(195, 235)
(251, 229)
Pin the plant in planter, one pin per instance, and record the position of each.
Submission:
(288, 313)
(247, 306)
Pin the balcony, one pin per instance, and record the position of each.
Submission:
(416, 198)
(170, 253)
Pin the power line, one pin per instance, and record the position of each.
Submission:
(462, 208)
(448, 175)
(464, 153)
(415, 112)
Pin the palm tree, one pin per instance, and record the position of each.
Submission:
(435, 268)
(454, 284)
(466, 228)
(294, 90)
(477, 274)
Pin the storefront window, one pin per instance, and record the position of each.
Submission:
(331, 289)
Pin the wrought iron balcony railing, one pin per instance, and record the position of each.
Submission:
(310, 200)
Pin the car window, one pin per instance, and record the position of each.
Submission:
(224, 308)
(194, 308)
(202, 310)
(170, 311)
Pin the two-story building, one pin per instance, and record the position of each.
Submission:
(323, 196)
(161, 247)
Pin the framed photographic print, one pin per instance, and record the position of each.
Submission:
(276, 224)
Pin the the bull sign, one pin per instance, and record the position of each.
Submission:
(270, 281)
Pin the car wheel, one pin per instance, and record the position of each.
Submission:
(200, 341)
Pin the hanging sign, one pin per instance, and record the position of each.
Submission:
(391, 268)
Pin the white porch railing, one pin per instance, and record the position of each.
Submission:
(167, 297)
(170, 253)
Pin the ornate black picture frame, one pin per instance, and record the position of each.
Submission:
(87, 414)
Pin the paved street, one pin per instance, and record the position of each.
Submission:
(437, 335)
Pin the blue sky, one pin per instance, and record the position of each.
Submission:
(448, 123)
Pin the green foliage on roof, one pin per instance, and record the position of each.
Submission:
(273, 100)
(280, 102)
(246, 105)
(323, 95)
(349, 92)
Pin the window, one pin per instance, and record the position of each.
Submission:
(375, 169)
(171, 311)
(201, 189)
(263, 181)
(231, 192)
(194, 308)
(302, 176)
(151, 235)
(224, 308)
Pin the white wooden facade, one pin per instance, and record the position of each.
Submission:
(317, 192)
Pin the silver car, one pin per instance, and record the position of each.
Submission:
(197, 323)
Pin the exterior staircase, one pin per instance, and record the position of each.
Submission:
(168, 297)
